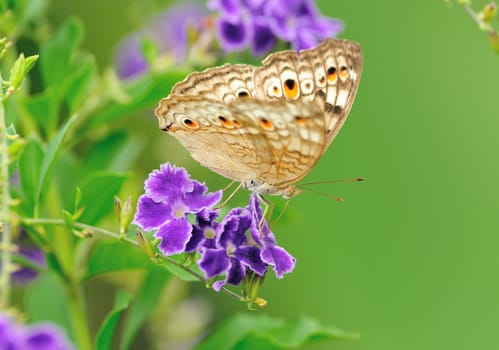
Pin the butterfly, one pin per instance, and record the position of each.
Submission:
(265, 127)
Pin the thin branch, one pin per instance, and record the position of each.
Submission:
(117, 236)
(478, 20)
(5, 229)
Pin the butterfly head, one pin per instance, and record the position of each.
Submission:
(261, 187)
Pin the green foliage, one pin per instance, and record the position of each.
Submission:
(49, 287)
(114, 257)
(73, 153)
(263, 332)
(146, 299)
(104, 339)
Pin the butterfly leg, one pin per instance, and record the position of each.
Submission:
(267, 204)
(280, 214)
(230, 195)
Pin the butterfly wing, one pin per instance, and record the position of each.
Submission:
(273, 142)
(225, 83)
(270, 123)
(328, 75)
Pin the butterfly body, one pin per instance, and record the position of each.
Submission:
(267, 126)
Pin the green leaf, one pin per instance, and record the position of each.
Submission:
(104, 339)
(143, 93)
(115, 256)
(55, 66)
(32, 10)
(180, 272)
(98, 190)
(30, 162)
(46, 300)
(38, 107)
(79, 83)
(117, 152)
(143, 304)
(55, 54)
(296, 333)
(67, 172)
(262, 332)
(49, 160)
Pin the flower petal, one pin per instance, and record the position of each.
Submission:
(251, 257)
(151, 214)
(226, 230)
(234, 34)
(196, 238)
(281, 261)
(234, 276)
(214, 262)
(263, 38)
(45, 337)
(130, 61)
(174, 236)
(168, 183)
(197, 198)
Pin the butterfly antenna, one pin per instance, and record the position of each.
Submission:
(334, 198)
(230, 195)
(355, 179)
(280, 214)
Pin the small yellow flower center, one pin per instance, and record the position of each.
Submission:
(179, 210)
(231, 248)
(209, 233)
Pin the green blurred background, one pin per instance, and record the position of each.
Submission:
(410, 259)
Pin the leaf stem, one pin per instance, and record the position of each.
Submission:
(5, 229)
(116, 235)
(476, 19)
(78, 317)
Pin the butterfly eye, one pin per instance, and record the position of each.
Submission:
(189, 123)
(290, 88)
(343, 72)
(332, 74)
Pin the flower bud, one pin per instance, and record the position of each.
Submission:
(145, 245)
(19, 70)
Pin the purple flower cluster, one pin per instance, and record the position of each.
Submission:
(168, 31)
(34, 337)
(258, 24)
(181, 211)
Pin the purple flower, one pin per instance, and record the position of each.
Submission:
(168, 31)
(170, 195)
(203, 231)
(42, 336)
(277, 257)
(299, 22)
(130, 60)
(258, 24)
(237, 249)
(25, 275)
(25, 249)
(233, 253)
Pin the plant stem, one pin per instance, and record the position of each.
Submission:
(78, 317)
(481, 24)
(5, 245)
(116, 235)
